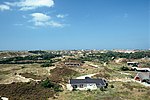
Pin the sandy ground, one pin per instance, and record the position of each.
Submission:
(13, 71)
(17, 78)
(143, 83)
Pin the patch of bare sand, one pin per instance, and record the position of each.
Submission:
(17, 78)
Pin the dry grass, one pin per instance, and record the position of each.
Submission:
(31, 75)
(8, 71)
(62, 75)
(25, 91)
(121, 90)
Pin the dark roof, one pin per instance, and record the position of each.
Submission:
(87, 80)
(72, 61)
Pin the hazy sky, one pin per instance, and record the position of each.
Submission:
(74, 24)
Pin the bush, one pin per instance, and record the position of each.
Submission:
(102, 89)
(131, 76)
(22, 67)
(47, 65)
(112, 86)
(48, 84)
(74, 89)
(57, 88)
(89, 90)
(123, 68)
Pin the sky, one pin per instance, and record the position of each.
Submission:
(74, 24)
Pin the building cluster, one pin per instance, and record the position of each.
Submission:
(143, 74)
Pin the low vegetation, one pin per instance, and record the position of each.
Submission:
(62, 74)
(29, 59)
(25, 91)
(110, 56)
(37, 66)
(49, 84)
(47, 64)
(31, 75)
(31, 90)
(123, 68)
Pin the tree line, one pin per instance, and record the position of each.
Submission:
(113, 55)
(29, 59)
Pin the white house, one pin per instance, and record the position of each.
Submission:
(86, 84)
(133, 64)
(73, 63)
(3, 98)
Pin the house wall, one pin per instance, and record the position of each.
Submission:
(69, 87)
(3, 98)
(91, 86)
(72, 64)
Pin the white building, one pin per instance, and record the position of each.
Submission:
(86, 84)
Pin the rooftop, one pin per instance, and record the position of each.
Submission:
(144, 75)
(87, 80)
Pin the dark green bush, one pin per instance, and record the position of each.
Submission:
(74, 89)
(112, 86)
(89, 90)
(123, 68)
(48, 84)
(47, 65)
(102, 89)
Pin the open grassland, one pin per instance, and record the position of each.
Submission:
(8, 72)
(119, 88)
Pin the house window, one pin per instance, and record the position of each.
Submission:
(90, 84)
(81, 85)
(74, 86)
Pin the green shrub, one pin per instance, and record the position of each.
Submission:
(48, 84)
(131, 76)
(112, 86)
(102, 89)
(89, 90)
(47, 65)
(57, 88)
(74, 89)
(123, 68)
